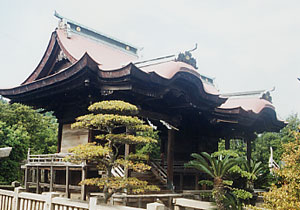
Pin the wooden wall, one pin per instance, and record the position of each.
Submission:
(72, 137)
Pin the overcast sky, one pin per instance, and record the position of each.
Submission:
(245, 45)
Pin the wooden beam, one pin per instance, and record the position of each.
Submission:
(170, 158)
(175, 121)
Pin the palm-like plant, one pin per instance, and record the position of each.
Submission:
(232, 202)
(254, 169)
(216, 168)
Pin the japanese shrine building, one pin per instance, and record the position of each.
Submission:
(82, 66)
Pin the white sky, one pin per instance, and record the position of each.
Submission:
(245, 45)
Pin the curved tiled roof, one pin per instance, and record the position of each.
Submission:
(108, 57)
(255, 105)
(181, 72)
(169, 69)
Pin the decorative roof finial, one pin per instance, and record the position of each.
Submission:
(187, 57)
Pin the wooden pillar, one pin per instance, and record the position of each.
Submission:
(59, 136)
(227, 144)
(67, 182)
(196, 182)
(139, 202)
(90, 135)
(170, 158)
(46, 172)
(248, 141)
(42, 179)
(181, 182)
(132, 148)
(33, 175)
(38, 180)
(51, 179)
(83, 187)
(162, 136)
(127, 148)
(26, 178)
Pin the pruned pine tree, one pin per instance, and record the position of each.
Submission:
(107, 117)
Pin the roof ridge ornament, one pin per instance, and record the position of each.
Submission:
(61, 56)
(187, 57)
(63, 24)
(267, 95)
(261, 94)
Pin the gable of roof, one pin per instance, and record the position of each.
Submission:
(73, 27)
(70, 41)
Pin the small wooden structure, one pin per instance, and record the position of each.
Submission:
(82, 66)
(49, 173)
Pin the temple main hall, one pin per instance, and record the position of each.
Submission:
(82, 66)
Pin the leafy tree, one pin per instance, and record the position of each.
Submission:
(261, 145)
(16, 137)
(109, 117)
(261, 149)
(285, 193)
(152, 148)
(21, 127)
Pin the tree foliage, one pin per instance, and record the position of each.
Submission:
(108, 117)
(152, 148)
(261, 145)
(21, 128)
(285, 193)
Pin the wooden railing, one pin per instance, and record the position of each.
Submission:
(44, 158)
(118, 171)
(19, 200)
(58, 160)
(178, 166)
(183, 203)
(49, 159)
(159, 171)
(6, 199)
